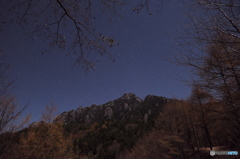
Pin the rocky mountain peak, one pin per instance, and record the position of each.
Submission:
(127, 107)
(153, 98)
(127, 96)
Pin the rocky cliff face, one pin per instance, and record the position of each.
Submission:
(128, 107)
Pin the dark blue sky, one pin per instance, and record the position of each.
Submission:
(140, 66)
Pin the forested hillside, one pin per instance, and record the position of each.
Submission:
(103, 131)
(177, 129)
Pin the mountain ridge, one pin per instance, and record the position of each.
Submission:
(127, 107)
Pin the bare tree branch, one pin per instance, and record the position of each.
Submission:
(9, 110)
(68, 25)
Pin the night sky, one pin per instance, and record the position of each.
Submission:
(140, 67)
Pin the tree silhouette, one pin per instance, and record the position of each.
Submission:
(68, 25)
(48, 115)
(9, 110)
(214, 55)
(10, 113)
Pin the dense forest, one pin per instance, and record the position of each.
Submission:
(209, 119)
(182, 129)
(177, 129)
